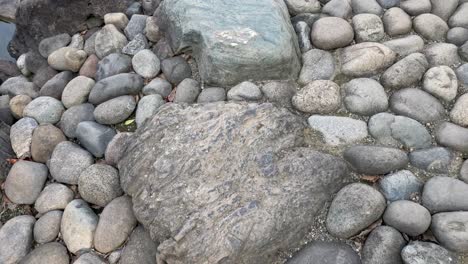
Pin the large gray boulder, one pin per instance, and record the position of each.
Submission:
(235, 185)
(233, 41)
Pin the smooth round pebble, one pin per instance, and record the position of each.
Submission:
(115, 110)
(25, 181)
(47, 227)
(99, 184)
(331, 33)
(407, 217)
(55, 196)
(45, 138)
(383, 246)
(44, 110)
(50, 253)
(68, 161)
(17, 238)
(146, 64)
(77, 90)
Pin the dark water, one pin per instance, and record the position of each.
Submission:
(6, 33)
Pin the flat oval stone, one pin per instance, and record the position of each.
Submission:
(445, 194)
(25, 181)
(417, 104)
(459, 113)
(450, 230)
(55, 196)
(406, 72)
(407, 217)
(47, 227)
(77, 90)
(435, 159)
(113, 64)
(459, 18)
(114, 86)
(452, 136)
(368, 27)
(79, 223)
(406, 45)
(94, 137)
(354, 208)
(430, 27)
(365, 59)
(331, 33)
(374, 159)
(383, 246)
(115, 110)
(68, 161)
(44, 140)
(364, 96)
(67, 59)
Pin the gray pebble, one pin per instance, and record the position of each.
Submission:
(73, 116)
(77, 90)
(21, 136)
(245, 91)
(51, 44)
(136, 45)
(407, 217)
(354, 208)
(459, 18)
(462, 74)
(445, 194)
(431, 27)
(442, 54)
(19, 85)
(416, 7)
(278, 92)
(17, 238)
(397, 22)
(394, 130)
(94, 137)
(450, 231)
(50, 253)
(139, 248)
(365, 96)
(45, 138)
(302, 30)
(146, 64)
(212, 94)
(135, 26)
(464, 172)
(175, 69)
(383, 246)
(17, 105)
(365, 59)
(366, 6)
(91, 258)
(417, 104)
(44, 109)
(368, 27)
(115, 225)
(400, 185)
(43, 75)
(317, 65)
(319, 252)
(147, 107)
(152, 31)
(47, 227)
(331, 33)
(77, 42)
(109, 40)
(441, 81)
(114, 86)
(372, 160)
(457, 36)
(320, 97)
(158, 86)
(338, 130)
(68, 161)
(406, 45)
(452, 136)
(113, 64)
(417, 252)
(115, 110)
(435, 159)
(444, 8)
(338, 8)
(54, 87)
(406, 72)
(99, 184)
(55, 196)
(116, 148)
(389, 3)
(25, 181)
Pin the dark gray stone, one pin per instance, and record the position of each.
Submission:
(452, 136)
(115, 110)
(218, 33)
(326, 253)
(445, 194)
(428, 253)
(50, 253)
(278, 92)
(138, 43)
(73, 116)
(114, 86)
(99, 184)
(374, 159)
(149, 6)
(354, 208)
(113, 64)
(459, 18)
(212, 94)
(317, 65)
(25, 181)
(186, 128)
(6, 115)
(394, 131)
(463, 51)
(6, 151)
(135, 26)
(436, 159)
(406, 72)
(457, 36)
(450, 231)
(43, 75)
(94, 137)
(417, 104)
(407, 217)
(91, 258)
(303, 35)
(134, 8)
(401, 185)
(462, 74)
(464, 172)
(162, 49)
(17, 238)
(54, 87)
(364, 96)
(34, 61)
(383, 246)
(116, 148)
(158, 86)
(68, 161)
(51, 44)
(140, 248)
(176, 69)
